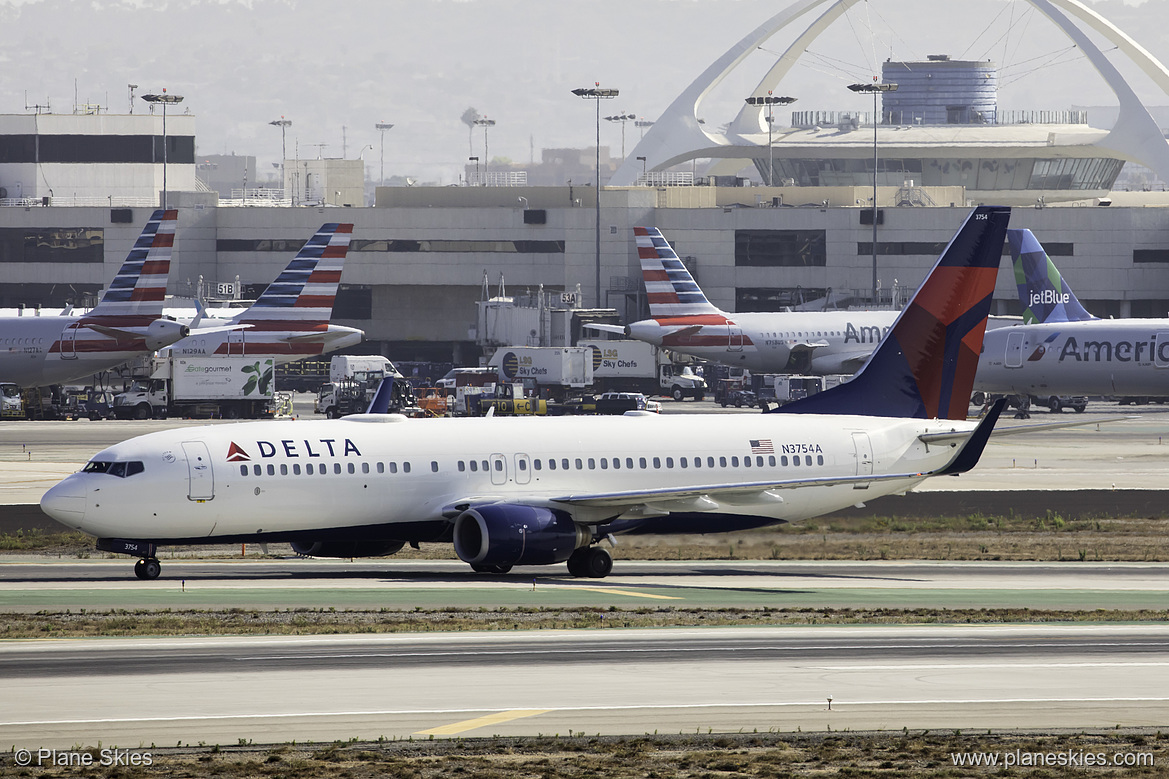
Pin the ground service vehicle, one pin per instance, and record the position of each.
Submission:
(551, 371)
(227, 387)
(637, 366)
(353, 380)
(11, 404)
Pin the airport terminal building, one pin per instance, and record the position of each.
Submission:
(75, 190)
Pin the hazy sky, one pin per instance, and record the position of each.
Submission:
(421, 63)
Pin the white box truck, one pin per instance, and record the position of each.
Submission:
(549, 370)
(635, 366)
(225, 386)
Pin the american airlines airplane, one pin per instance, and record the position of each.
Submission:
(37, 351)
(290, 319)
(541, 491)
(684, 321)
(1062, 349)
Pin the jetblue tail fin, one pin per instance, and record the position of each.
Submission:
(136, 294)
(670, 288)
(924, 367)
(302, 295)
(1043, 293)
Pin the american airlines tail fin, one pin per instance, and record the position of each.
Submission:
(136, 294)
(924, 367)
(670, 288)
(1043, 293)
(301, 297)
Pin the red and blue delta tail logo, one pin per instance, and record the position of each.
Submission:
(136, 294)
(669, 287)
(925, 365)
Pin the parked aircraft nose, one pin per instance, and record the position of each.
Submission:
(65, 502)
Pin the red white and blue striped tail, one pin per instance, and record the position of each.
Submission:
(139, 288)
(306, 289)
(670, 288)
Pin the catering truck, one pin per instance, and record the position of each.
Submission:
(224, 386)
(549, 371)
(636, 366)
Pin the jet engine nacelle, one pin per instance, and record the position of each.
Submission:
(377, 548)
(506, 535)
(164, 332)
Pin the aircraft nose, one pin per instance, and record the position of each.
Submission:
(65, 502)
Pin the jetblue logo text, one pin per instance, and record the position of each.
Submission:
(1049, 297)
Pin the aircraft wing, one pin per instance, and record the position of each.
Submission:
(706, 497)
(619, 329)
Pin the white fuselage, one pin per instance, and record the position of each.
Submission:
(1092, 357)
(262, 479)
(36, 351)
(283, 345)
(814, 342)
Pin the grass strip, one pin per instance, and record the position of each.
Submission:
(305, 621)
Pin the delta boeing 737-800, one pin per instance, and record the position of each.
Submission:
(542, 491)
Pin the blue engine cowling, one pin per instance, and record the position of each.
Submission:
(505, 534)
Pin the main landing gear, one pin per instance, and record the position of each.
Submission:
(591, 562)
(147, 568)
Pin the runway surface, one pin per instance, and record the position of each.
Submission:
(405, 584)
(137, 693)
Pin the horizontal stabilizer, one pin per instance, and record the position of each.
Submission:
(618, 329)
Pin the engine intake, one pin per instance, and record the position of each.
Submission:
(505, 534)
(365, 548)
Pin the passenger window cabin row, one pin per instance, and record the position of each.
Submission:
(540, 464)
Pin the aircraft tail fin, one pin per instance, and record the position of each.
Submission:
(924, 367)
(139, 288)
(1043, 293)
(670, 288)
(305, 290)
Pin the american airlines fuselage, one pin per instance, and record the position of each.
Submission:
(818, 342)
(36, 351)
(1091, 357)
(391, 477)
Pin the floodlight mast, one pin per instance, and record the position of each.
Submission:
(598, 94)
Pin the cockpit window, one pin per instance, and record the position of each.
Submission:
(121, 469)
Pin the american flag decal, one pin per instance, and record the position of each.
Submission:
(761, 446)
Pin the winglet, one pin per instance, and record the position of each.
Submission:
(139, 288)
(669, 287)
(1043, 293)
(972, 451)
(924, 367)
(381, 399)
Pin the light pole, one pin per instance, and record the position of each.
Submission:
(283, 124)
(596, 93)
(382, 127)
(771, 103)
(622, 118)
(484, 122)
(641, 124)
(165, 99)
(875, 89)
